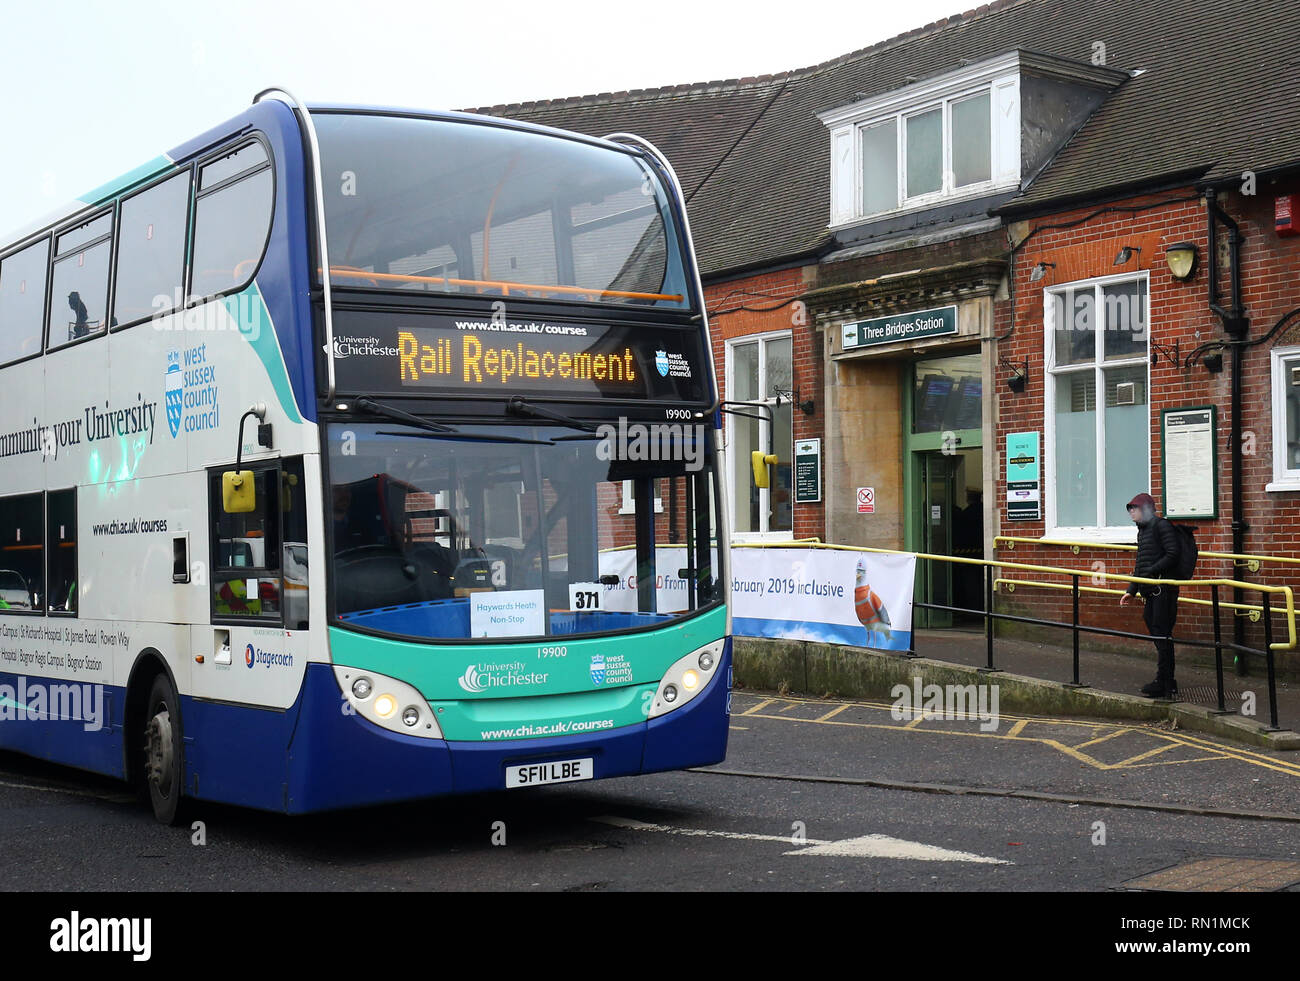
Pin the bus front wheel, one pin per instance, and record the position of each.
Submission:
(162, 751)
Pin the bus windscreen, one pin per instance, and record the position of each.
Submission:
(441, 206)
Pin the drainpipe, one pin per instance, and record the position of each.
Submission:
(1236, 325)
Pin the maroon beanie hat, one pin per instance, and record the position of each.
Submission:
(1142, 500)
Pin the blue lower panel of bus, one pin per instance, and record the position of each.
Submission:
(315, 757)
(63, 722)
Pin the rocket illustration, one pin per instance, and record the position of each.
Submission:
(869, 606)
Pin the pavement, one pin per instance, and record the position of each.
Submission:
(1036, 678)
(1117, 671)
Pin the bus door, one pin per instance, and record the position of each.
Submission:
(255, 646)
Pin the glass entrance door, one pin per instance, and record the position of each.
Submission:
(938, 479)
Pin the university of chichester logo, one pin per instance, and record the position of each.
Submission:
(471, 680)
(661, 363)
(173, 392)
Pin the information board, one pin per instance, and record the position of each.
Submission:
(1189, 458)
(807, 471)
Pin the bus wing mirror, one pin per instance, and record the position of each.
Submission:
(760, 461)
(238, 492)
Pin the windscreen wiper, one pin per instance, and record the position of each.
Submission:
(522, 407)
(437, 429)
(457, 435)
(397, 415)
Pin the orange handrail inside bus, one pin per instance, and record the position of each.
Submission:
(346, 271)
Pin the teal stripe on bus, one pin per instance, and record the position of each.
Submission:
(145, 172)
(250, 314)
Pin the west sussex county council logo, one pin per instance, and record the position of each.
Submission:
(661, 363)
(172, 389)
(598, 669)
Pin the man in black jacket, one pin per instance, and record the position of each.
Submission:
(1157, 556)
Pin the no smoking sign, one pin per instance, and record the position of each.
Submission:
(866, 500)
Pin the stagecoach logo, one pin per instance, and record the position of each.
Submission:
(597, 669)
(173, 392)
(267, 659)
(483, 677)
(661, 363)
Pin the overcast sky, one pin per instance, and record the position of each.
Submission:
(94, 89)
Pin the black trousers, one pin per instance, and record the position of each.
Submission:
(1160, 613)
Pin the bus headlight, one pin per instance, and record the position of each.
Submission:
(686, 678)
(379, 698)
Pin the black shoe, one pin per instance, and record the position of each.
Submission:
(1157, 689)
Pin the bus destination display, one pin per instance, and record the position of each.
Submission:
(375, 353)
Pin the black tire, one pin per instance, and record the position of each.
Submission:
(162, 765)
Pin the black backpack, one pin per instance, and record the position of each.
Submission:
(1187, 552)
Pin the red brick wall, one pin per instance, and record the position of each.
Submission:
(760, 304)
(1178, 313)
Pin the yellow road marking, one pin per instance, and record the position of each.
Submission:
(832, 713)
(1196, 759)
(761, 705)
(1102, 739)
(739, 728)
(1142, 756)
(1216, 751)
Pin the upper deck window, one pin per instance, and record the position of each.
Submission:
(435, 206)
(232, 219)
(151, 250)
(22, 301)
(79, 298)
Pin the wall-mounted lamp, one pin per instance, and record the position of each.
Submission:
(1019, 379)
(1213, 363)
(1125, 254)
(1040, 270)
(1181, 259)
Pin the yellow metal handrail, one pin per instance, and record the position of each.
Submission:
(1286, 591)
(1254, 612)
(1251, 562)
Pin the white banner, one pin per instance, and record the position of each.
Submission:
(841, 597)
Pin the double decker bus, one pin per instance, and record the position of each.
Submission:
(351, 456)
